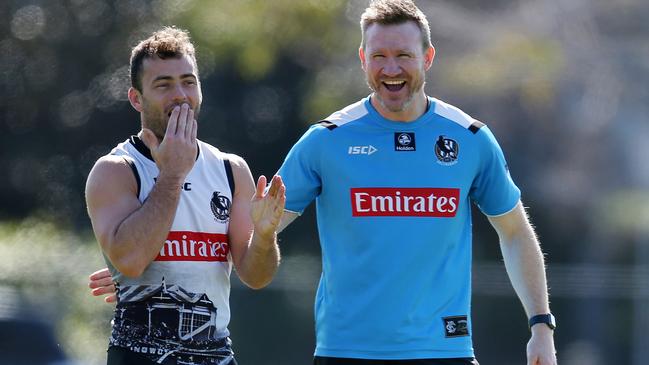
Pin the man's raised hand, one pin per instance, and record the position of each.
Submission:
(176, 153)
(267, 207)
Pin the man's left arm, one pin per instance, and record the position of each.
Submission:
(254, 219)
(526, 269)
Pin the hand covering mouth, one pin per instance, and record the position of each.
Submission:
(394, 85)
(171, 108)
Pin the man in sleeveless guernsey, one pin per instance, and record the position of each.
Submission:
(393, 177)
(172, 215)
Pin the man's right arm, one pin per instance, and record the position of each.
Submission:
(131, 233)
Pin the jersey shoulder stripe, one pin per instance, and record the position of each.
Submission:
(129, 160)
(327, 124)
(230, 175)
(348, 114)
(456, 115)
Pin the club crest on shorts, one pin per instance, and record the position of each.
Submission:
(447, 151)
(456, 326)
(220, 205)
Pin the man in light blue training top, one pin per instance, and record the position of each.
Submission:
(393, 176)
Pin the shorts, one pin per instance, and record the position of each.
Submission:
(123, 356)
(319, 360)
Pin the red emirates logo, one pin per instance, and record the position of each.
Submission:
(401, 202)
(194, 246)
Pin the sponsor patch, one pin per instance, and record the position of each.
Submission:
(416, 202)
(404, 141)
(194, 246)
(362, 150)
(456, 326)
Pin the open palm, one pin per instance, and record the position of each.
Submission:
(267, 208)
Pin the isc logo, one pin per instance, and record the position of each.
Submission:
(362, 150)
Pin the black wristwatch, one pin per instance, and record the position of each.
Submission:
(548, 319)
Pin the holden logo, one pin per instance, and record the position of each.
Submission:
(404, 141)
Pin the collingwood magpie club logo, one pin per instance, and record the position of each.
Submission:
(404, 141)
(220, 205)
(447, 151)
(456, 326)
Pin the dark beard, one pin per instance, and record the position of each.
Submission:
(157, 123)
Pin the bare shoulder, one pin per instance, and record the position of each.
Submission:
(111, 172)
(111, 196)
(240, 167)
(237, 162)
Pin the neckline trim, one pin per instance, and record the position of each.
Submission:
(144, 150)
(400, 125)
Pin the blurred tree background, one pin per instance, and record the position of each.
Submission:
(562, 83)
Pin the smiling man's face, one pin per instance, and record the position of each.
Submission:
(395, 64)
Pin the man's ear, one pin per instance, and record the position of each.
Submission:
(429, 56)
(361, 56)
(135, 98)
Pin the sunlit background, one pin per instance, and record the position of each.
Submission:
(562, 83)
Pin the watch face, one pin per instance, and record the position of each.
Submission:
(553, 321)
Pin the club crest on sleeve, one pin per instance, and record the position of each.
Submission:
(220, 205)
(446, 151)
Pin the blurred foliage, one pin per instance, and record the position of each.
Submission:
(512, 61)
(626, 212)
(49, 267)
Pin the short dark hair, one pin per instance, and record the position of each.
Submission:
(389, 12)
(168, 42)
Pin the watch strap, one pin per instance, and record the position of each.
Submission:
(548, 319)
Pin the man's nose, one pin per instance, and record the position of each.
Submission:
(179, 94)
(391, 67)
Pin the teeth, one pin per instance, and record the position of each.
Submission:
(394, 82)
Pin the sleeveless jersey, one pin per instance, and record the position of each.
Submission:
(393, 204)
(180, 304)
